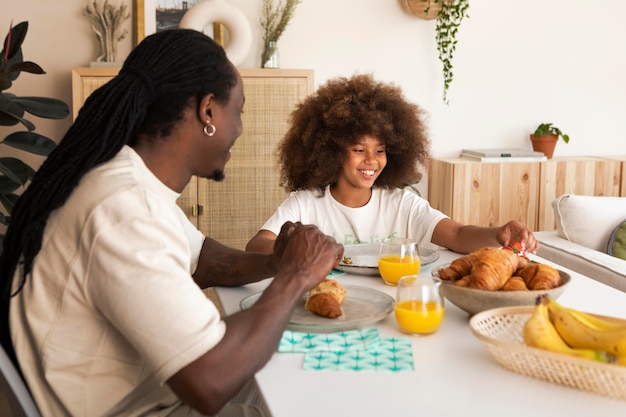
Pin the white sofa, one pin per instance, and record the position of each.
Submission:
(585, 225)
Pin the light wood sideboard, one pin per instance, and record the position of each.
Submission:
(490, 194)
(232, 211)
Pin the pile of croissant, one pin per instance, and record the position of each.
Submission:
(500, 269)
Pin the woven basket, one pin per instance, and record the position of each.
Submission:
(418, 8)
(500, 331)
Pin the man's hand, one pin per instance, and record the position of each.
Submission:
(304, 250)
(281, 243)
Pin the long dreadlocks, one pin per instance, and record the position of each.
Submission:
(150, 94)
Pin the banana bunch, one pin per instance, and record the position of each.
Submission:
(564, 330)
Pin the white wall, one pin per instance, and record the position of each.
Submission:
(518, 63)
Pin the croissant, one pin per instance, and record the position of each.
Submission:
(325, 300)
(540, 276)
(515, 283)
(460, 267)
(493, 268)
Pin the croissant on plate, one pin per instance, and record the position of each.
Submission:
(325, 300)
(540, 276)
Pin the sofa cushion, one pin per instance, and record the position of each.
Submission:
(588, 220)
(617, 241)
(594, 264)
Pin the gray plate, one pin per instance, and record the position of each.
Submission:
(361, 307)
(365, 258)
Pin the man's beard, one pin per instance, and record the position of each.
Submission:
(217, 176)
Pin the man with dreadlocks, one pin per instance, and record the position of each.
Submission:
(101, 305)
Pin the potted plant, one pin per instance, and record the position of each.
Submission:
(14, 173)
(274, 21)
(545, 137)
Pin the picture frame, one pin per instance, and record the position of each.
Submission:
(145, 22)
(144, 19)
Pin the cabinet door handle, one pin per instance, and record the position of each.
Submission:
(196, 210)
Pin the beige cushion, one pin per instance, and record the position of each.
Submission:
(588, 220)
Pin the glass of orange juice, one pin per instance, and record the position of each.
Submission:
(419, 305)
(398, 257)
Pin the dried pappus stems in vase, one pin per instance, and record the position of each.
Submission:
(106, 22)
(274, 20)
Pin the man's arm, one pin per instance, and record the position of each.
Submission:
(252, 335)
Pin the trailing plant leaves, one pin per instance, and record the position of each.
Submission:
(449, 20)
(30, 142)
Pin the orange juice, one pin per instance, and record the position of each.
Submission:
(393, 267)
(414, 316)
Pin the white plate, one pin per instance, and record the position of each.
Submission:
(365, 258)
(361, 307)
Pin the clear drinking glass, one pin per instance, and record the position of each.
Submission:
(398, 257)
(419, 305)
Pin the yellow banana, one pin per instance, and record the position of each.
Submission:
(539, 332)
(589, 319)
(579, 331)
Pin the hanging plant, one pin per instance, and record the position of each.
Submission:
(449, 18)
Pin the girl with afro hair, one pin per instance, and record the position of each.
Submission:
(350, 152)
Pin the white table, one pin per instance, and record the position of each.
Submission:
(454, 375)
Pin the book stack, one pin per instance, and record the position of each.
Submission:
(503, 155)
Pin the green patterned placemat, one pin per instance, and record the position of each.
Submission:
(391, 355)
(352, 350)
(350, 340)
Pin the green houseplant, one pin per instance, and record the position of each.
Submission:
(15, 173)
(274, 21)
(544, 138)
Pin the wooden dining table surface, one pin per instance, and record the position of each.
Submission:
(453, 376)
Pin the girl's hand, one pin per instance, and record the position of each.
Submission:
(518, 236)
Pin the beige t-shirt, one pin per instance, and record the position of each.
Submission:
(111, 311)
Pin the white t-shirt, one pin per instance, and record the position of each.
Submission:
(111, 311)
(390, 212)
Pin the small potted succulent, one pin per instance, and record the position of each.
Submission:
(545, 137)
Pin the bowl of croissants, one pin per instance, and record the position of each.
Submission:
(497, 277)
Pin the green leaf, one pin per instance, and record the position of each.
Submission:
(10, 119)
(17, 36)
(8, 201)
(17, 173)
(30, 142)
(7, 186)
(26, 66)
(49, 108)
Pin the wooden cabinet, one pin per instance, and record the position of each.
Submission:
(622, 179)
(484, 194)
(490, 194)
(575, 175)
(231, 211)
